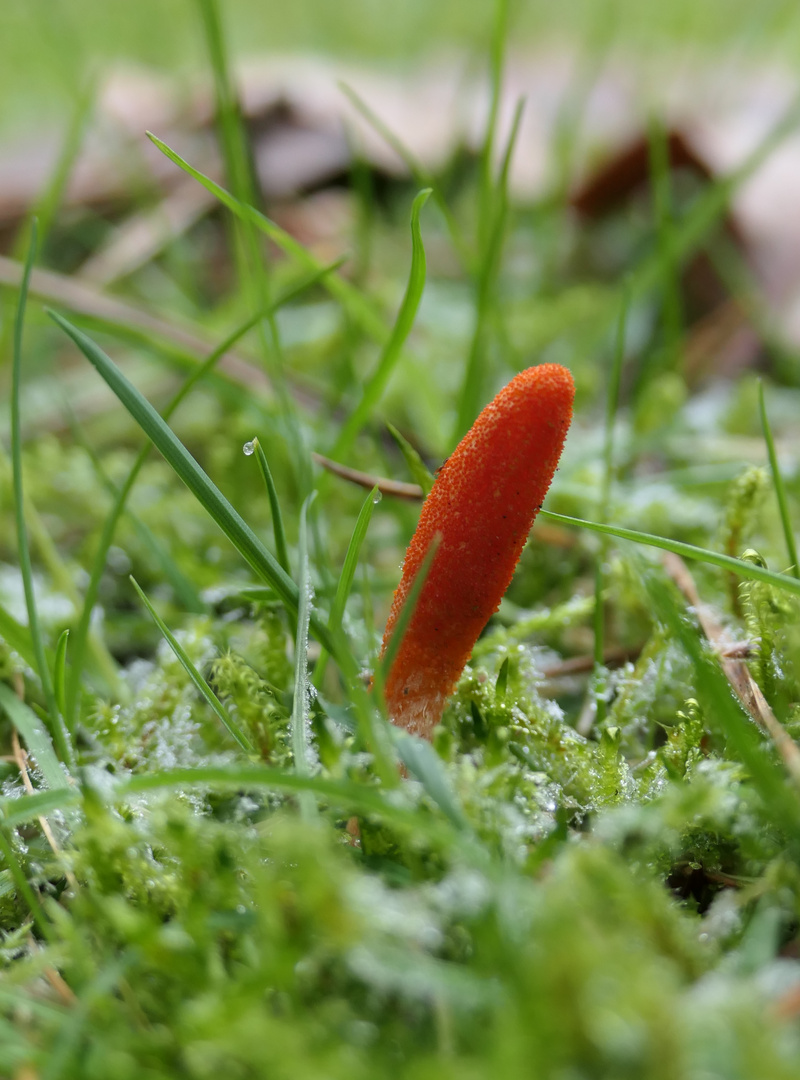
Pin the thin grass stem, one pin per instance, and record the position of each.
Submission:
(55, 720)
(778, 484)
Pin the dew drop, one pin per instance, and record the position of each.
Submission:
(249, 448)
(376, 498)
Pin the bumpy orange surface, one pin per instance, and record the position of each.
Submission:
(482, 505)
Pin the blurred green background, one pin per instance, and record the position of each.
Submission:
(49, 47)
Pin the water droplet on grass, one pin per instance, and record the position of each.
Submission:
(249, 448)
(376, 498)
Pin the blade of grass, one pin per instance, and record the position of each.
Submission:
(24, 887)
(205, 690)
(55, 720)
(489, 267)
(347, 794)
(422, 177)
(777, 480)
(48, 202)
(60, 672)
(612, 404)
(19, 811)
(496, 65)
(205, 491)
(384, 666)
(425, 765)
(299, 724)
(376, 384)
(35, 737)
(672, 313)
(274, 505)
(112, 519)
(501, 683)
(419, 471)
(17, 637)
(345, 582)
(354, 302)
(686, 551)
(185, 592)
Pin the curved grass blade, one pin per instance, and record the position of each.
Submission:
(501, 684)
(56, 721)
(383, 668)
(299, 723)
(204, 490)
(17, 637)
(612, 404)
(112, 519)
(35, 737)
(491, 249)
(275, 507)
(425, 765)
(376, 384)
(356, 305)
(777, 480)
(60, 672)
(420, 473)
(185, 592)
(24, 887)
(420, 174)
(686, 551)
(206, 692)
(20, 811)
(345, 583)
(347, 794)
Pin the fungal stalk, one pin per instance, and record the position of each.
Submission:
(481, 507)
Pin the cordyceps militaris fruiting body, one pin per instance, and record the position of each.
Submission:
(481, 507)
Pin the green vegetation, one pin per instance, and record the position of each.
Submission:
(220, 859)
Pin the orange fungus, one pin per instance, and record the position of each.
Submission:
(481, 507)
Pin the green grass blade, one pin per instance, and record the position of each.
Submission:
(205, 690)
(302, 750)
(377, 382)
(422, 177)
(501, 683)
(35, 737)
(60, 672)
(496, 64)
(28, 808)
(17, 637)
(48, 202)
(612, 404)
(345, 582)
(686, 551)
(425, 765)
(185, 592)
(351, 299)
(229, 120)
(55, 720)
(383, 668)
(205, 491)
(777, 480)
(24, 887)
(672, 313)
(112, 520)
(347, 794)
(472, 392)
(275, 507)
(420, 473)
